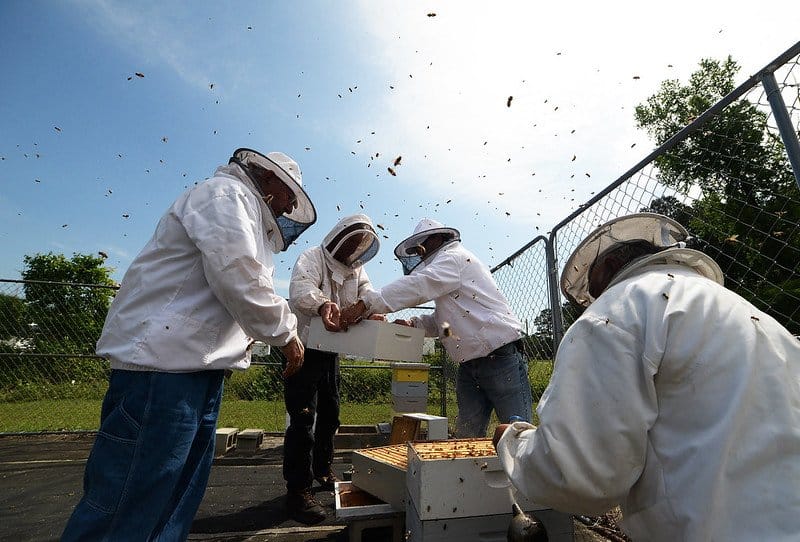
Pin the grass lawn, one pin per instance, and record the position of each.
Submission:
(50, 415)
(73, 414)
(84, 414)
(271, 415)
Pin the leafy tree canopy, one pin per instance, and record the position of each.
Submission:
(731, 154)
(748, 207)
(66, 318)
(12, 318)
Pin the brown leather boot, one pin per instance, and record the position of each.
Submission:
(328, 480)
(302, 507)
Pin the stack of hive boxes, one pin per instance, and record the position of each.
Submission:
(450, 490)
(410, 387)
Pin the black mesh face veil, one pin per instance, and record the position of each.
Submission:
(360, 241)
(417, 253)
(410, 251)
(624, 252)
(658, 230)
(409, 262)
(290, 230)
(290, 225)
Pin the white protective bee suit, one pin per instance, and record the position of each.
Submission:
(318, 278)
(472, 319)
(311, 395)
(188, 307)
(202, 288)
(675, 398)
(469, 304)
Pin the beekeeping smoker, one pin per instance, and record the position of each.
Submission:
(671, 396)
(324, 278)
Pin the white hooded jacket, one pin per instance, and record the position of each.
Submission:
(201, 289)
(679, 400)
(467, 300)
(318, 278)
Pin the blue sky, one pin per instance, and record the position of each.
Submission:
(92, 154)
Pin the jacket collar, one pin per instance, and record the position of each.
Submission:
(271, 227)
(687, 257)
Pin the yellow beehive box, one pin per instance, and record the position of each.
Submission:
(410, 372)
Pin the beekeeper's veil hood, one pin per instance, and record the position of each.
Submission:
(408, 251)
(355, 235)
(667, 235)
(293, 224)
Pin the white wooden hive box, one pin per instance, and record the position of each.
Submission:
(351, 502)
(459, 478)
(381, 471)
(369, 339)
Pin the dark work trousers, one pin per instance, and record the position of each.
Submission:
(308, 447)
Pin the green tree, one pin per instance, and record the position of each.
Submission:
(540, 344)
(670, 206)
(749, 207)
(731, 154)
(13, 324)
(68, 309)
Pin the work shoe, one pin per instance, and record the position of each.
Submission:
(327, 481)
(301, 506)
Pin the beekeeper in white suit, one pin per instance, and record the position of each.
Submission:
(671, 396)
(325, 278)
(190, 304)
(472, 319)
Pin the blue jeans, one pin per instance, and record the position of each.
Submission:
(498, 381)
(148, 468)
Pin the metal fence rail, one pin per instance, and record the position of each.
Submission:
(729, 173)
(728, 177)
(731, 176)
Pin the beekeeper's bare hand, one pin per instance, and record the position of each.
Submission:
(400, 321)
(379, 317)
(352, 315)
(330, 315)
(293, 352)
(499, 433)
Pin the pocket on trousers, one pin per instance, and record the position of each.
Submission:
(111, 460)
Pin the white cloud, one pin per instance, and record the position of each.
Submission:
(575, 71)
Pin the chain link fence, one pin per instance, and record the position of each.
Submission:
(51, 380)
(732, 177)
(728, 168)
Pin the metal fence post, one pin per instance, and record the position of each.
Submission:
(443, 367)
(783, 121)
(553, 290)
